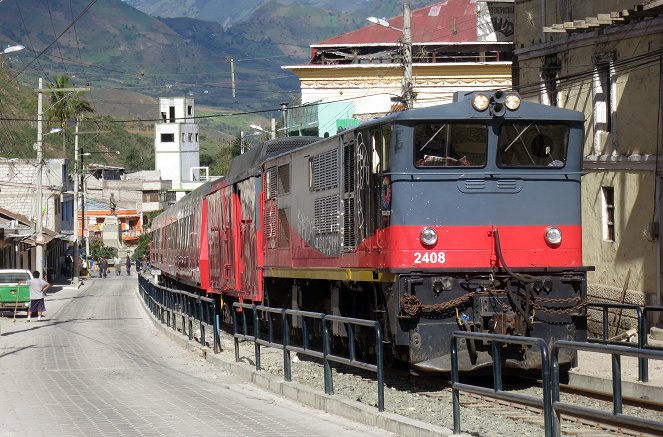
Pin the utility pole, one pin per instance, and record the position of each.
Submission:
(408, 91)
(39, 238)
(284, 113)
(39, 249)
(76, 265)
(231, 61)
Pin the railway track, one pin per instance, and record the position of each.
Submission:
(439, 389)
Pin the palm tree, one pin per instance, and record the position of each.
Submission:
(65, 105)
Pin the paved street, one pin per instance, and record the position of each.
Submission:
(97, 366)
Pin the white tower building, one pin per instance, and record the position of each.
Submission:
(177, 151)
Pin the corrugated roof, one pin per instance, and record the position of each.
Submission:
(445, 21)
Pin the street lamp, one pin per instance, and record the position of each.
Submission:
(408, 88)
(12, 49)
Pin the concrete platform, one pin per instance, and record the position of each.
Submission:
(594, 372)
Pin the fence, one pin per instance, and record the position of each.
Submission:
(497, 392)
(326, 355)
(550, 402)
(168, 305)
(616, 353)
(643, 328)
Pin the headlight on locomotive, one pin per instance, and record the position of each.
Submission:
(512, 101)
(480, 102)
(553, 236)
(428, 236)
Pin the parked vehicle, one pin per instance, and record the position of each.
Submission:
(14, 289)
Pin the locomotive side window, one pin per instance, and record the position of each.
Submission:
(533, 145)
(450, 145)
(283, 180)
(386, 142)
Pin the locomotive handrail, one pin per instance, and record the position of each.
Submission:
(616, 352)
(497, 392)
(167, 303)
(326, 355)
(643, 327)
(605, 306)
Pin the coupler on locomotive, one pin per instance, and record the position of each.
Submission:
(430, 307)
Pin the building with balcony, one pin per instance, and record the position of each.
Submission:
(457, 45)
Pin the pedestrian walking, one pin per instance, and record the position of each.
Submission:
(37, 292)
(118, 265)
(127, 262)
(103, 267)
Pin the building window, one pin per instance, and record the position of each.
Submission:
(608, 194)
(167, 138)
(190, 137)
(172, 114)
(189, 110)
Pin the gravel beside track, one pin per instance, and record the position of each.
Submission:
(429, 400)
(431, 403)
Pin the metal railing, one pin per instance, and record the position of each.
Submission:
(590, 413)
(496, 340)
(643, 327)
(327, 355)
(168, 305)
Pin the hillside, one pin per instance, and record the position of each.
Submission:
(18, 132)
(231, 12)
(129, 59)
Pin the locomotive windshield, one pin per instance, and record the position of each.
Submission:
(532, 144)
(450, 144)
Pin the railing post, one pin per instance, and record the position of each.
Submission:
(217, 328)
(455, 393)
(329, 383)
(545, 376)
(234, 314)
(556, 417)
(287, 363)
(200, 320)
(378, 348)
(643, 327)
(497, 365)
(616, 384)
(256, 335)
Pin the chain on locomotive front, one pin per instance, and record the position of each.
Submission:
(458, 216)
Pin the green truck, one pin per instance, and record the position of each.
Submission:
(14, 289)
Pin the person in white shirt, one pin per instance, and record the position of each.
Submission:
(37, 293)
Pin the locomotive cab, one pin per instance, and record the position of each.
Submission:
(485, 208)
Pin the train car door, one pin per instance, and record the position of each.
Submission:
(248, 256)
(228, 239)
(214, 235)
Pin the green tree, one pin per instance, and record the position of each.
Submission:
(65, 105)
(97, 250)
(143, 247)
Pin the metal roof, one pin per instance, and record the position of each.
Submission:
(445, 22)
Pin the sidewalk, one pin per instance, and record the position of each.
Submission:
(594, 372)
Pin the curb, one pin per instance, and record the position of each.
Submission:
(638, 390)
(355, 411)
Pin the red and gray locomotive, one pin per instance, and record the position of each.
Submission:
(458, 216)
